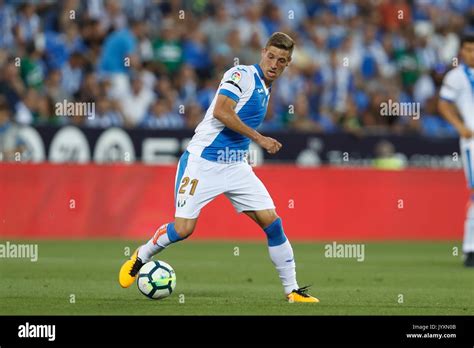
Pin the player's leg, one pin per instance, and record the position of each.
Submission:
(281, 253)
(167, 234)
(248, 194)
(468, 242)
(196, 184)
(467, 152)
(279, 248)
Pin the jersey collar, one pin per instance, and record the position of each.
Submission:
(470, 76)
(262, 77)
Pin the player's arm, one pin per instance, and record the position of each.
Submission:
(224, 112)
(449, 111)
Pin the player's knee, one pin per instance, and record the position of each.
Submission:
(268, 219)
(275, 234)
(184, 228)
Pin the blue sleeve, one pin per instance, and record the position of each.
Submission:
(229, 94)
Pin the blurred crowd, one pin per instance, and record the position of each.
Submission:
(157, 64)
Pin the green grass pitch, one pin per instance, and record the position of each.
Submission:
(80, 278)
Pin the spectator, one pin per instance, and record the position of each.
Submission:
(105, 116)
(168, 50)
(89, 89)
(193, 115)
(394, 14)
(207, 92)
(217, 27)
(54, 88)
(11, 84)
(186, 84)
(299, 117)
(350, 56)
(28, 24)
(426, 53)
(251, 26)
(386, 158)
(7, 23)
(349, 120)
(32, 67)
(293, 12)
(136, 102)
(161, 116)
(408, 62)
(291, 84)
(72, 73)
(317, 49)
(138, 9)
(60, 47)
(375, 57)
(11, 144)
(271, 122)
(229, 52)
(196, 54)
(44, 113)
(272, 18)
(252, 51)
(93, 35)
(26, 107)
(434, 125)
(447, 44)
(113, 17)
(119, 53)
(337, 84)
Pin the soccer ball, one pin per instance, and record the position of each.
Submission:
(156, 280)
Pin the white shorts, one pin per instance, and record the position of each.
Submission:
(467, 154)
(198, 181)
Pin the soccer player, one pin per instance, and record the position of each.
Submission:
(457, 98)
(215, 163)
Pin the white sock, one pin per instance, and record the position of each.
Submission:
(283, 259)
(468, 242)
(158, 243)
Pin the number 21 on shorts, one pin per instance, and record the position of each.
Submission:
(184, 183)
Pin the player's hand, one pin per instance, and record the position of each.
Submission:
(271, 145)
(465, 132)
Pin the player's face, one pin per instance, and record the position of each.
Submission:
(274, 61)
(467, 53)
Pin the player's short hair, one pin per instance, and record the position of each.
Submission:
(467, 38)
(282, 41)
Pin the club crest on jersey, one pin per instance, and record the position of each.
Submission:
(236, 76)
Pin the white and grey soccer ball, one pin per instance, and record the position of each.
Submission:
(156, 280)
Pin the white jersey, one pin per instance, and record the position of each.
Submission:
(458, 89)
(215, 142)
